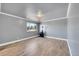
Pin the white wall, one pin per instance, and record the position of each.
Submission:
(73, 28)
(56, 28)
(12, 29)
(0, 6)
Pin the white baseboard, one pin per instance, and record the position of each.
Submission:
(69, 48)
(7, 43)
(62, 39)
(56, 38)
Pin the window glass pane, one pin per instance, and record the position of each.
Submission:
(31, 26)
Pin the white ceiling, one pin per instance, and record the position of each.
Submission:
(29, 10)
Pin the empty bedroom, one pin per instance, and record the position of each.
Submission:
(39, 29)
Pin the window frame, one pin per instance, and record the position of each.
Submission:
(31, 27)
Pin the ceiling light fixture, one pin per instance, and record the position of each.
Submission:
(39, 15)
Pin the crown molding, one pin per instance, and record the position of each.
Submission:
(54, 19)
(68, 9)
(11, 15)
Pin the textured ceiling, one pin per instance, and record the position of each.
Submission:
(29, 10)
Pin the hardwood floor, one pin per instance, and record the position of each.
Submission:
(36, 47)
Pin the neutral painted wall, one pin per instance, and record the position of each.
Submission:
(13, 29)
(57, 28)
(73, 28)
(0, 6)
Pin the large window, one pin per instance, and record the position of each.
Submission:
(31, 27)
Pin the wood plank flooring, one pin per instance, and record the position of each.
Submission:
(36, 47)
